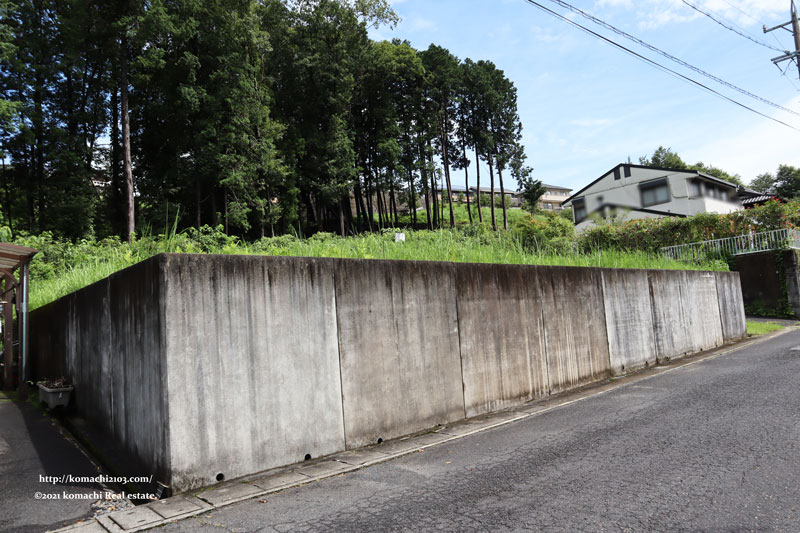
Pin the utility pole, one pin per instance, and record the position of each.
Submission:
(796, 32)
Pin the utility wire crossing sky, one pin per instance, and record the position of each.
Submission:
(586, 107)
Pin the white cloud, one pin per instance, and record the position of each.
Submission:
(652, 14)
(419, 24)
(590, 122)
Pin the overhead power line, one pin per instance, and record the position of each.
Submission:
(654, 63)
(734, 30)
(669, 56)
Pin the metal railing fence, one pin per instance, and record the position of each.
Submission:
(741, 244)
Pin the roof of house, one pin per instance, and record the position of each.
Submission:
(755, 200)
(673, 170)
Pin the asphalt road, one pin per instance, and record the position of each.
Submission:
(32, 452)
(709, 446)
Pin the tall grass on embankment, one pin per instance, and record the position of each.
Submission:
(61, 268)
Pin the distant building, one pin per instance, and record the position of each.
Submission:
(458, 190)
(634, 191)
(554, 198)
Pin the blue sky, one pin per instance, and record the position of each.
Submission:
(586, 106)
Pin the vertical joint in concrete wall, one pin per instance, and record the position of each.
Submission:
(717, 289)
(546, 359)
(603, 297)
(460, 340)
(339, 348)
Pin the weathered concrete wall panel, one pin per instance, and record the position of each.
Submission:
(253, 364)
(731, 307)
(629, 319)
(108, 339)
(501, 336)
(685, 312)
(398, 342)
(575, 328)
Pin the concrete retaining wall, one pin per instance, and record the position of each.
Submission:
(253, 365)
(398, 346)
(108, 338)
(629, 318)
(731, 306)
(501, 332)
(207, 365)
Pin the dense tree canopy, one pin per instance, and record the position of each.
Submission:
(265, 116)
(666, 158)
(786, 182)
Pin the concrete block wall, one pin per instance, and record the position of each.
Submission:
(207, 365)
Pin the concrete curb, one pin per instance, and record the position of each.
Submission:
(183, 506)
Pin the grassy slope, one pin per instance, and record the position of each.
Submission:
(760, 328)
(90, 262)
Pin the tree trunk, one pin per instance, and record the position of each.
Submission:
(503, 194)
(412, 198)
(434, 196)
(38, 153)
(393, 200)
(441, 187)
(341, 217)
(466, 183)
(198, 198)
(225, 209)
(312, 209)
(491, 179)
(379, 199)
(126, 140)
(7, 190)
(370, 211)
(361, 211)
(116, 179)
(428, 206)
(446, 161)
(214, 217)
(30, 190)
(478, 189)
(426, 187)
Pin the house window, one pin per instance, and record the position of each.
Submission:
(654, 192)
(579, 210)
(694, 188)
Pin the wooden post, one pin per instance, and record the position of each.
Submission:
(8, 330)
